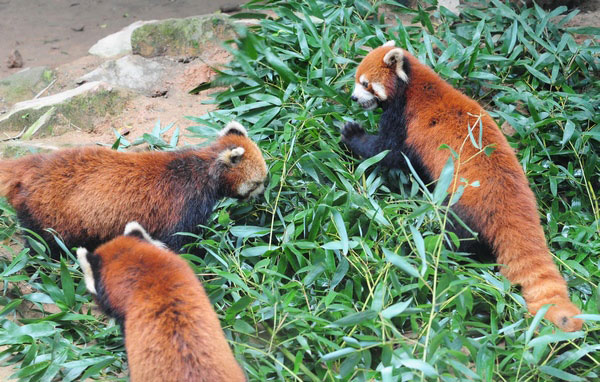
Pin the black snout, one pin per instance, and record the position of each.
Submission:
(354, 98)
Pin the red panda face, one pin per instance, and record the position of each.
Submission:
(246, 168)
(377, 74)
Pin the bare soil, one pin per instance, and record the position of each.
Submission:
(51, 33)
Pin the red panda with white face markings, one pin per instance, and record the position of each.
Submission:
(421, 112)
(171, 331)
(88, 194)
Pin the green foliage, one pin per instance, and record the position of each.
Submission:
(153, 139)
(343, 271)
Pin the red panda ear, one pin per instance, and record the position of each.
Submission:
(135, 229)
(86, 268)
(232, 156)
(233, 127)
(395, 57)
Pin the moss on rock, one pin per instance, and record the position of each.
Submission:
(24, 85)
(182, 37)
(80, 112)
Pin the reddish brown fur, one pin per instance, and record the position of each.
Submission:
(171, 330)
(89, 194)
(504, 207)
(372, 66)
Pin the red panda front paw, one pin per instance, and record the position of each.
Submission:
(351, 130)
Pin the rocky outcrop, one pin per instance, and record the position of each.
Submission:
(132, 72)
(116, 44)
(24, 85)
(188, 37)
(41, 110)
(53, 115)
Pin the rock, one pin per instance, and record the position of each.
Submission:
(182, 37)
(118, 43)
(15, 149)
(230, 8)
(507, 129)
(551, 4)
(14, 60)
(132, 72)
(77, 108)
(452, 5)
(24, 85)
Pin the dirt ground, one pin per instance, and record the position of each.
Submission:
(55, 32)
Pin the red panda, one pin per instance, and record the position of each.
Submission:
(421, 112)
(88, 194)
(171, 331)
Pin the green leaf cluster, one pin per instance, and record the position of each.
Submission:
(344, 271)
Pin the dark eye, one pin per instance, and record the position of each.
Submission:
(365, 84)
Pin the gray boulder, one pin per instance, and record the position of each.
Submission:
(132, 72)
(116, 44)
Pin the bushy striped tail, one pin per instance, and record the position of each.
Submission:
(521, 246)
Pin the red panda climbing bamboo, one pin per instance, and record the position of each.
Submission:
(171, 330)
(88, 194)
(421, 112)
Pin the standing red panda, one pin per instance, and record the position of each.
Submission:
(171, 331)
(88, 194)
(420, 113)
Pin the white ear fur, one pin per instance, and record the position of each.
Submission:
(396, 57)
(135, 226)
(233, 127)
(86, 268)
(390, 43)
(232, 156)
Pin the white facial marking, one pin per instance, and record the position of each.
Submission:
(135, 226)
(251, 188)
(364, 97)
(257, 191)
(233, 125)
(361, 93)
(86, 268)
(379, 91)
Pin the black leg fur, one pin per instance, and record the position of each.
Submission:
(391, 136)
(392, 131)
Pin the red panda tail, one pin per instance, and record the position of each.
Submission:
(542, 283)
(5, 178)
(521, 246)
(10, 175)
